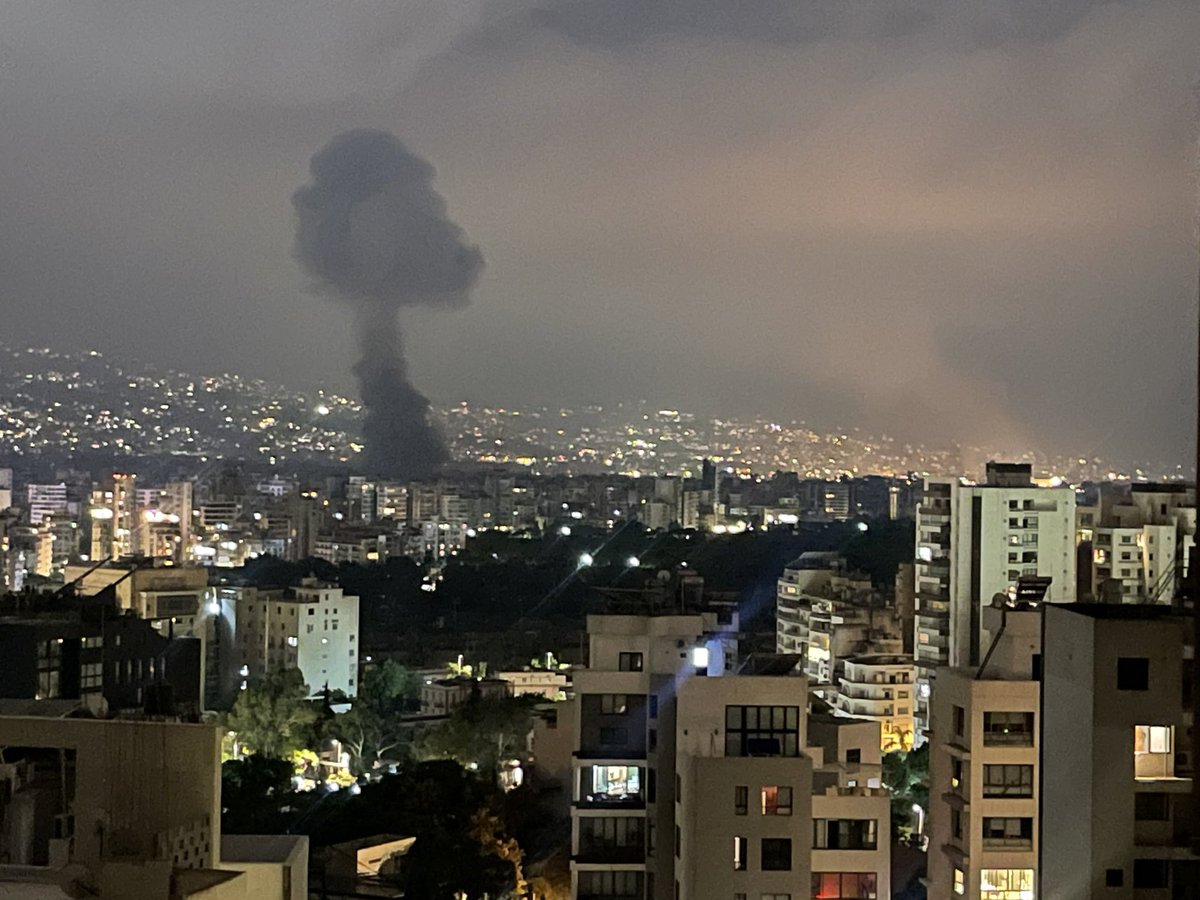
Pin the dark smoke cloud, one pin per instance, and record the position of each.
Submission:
(375, 233)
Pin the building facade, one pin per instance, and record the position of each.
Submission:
(974, 541)
(689, 781)
(312, 627)
(1117, 761)
(984, 767)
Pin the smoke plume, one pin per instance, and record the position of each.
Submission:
(374, 233)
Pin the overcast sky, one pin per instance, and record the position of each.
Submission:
(965, 219)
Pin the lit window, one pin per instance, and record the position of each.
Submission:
(776, 801)
(960, 882)
(1152, 739)
(1006, 884)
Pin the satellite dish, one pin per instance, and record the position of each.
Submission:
(664, 576)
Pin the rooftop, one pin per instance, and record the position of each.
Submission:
(259, 848)
(1123, 611)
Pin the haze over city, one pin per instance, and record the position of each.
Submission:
(860, 215)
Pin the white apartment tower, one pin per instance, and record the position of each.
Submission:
(974, 541)
(983, 793)
(692, 782)
(312, 627)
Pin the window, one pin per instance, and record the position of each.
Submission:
(1151, 873)
(1001, 831)
(1011, 728)
(1008, 781)
(612, 885)
(629, 662)
(597, 832)
(838, 885)
(1152, 739)
(845, 834)
(854, 755)
(615, 783)
(1114, 877)
(613, 704)
(651, 837)
(654, 706)
(956, 773)
(678, 788)
(741, 852)
(651, 785)
(652, 739)
(960, 882)
(762, 731)
(776, 854)
(960, 721)
(679, 842)
(1005, 884)
(741, 799)
(776, 801)
(614, 737)
(1133, 673)
(1151, 807)
(773, 896)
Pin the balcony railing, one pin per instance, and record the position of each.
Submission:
(1008, 739)
(606, 855)
(1007, 843)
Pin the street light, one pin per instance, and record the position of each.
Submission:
(585, 560)
(565, 531)
(633, 562)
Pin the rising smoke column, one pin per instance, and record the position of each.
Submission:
(374, 233)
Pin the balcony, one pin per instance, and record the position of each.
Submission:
(611, 855)
(1007, 843)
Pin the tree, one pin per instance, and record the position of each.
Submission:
(487, 828)
(273, 716)
(906, 776)
(481, 733)
(372, 728)
(253, 790)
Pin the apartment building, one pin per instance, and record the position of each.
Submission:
(974, 540)
(984, 772)
(881, 688)
(1140, 547)
(693, 782)
(127, 810)
(1117, 761)
(825, 613)
(312, 627)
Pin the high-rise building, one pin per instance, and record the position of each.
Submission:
(691, 782)
(116, 529)
(1140, 548)
(983, 792)
(974, 541)
(1117, 760)
(826, 613)
(312, 627)
(44, 501)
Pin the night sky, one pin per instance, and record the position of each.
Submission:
(943, 219)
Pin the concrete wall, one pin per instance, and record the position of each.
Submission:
(116, 761)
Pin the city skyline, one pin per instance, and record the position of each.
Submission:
(60, 405)
(825, 208)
